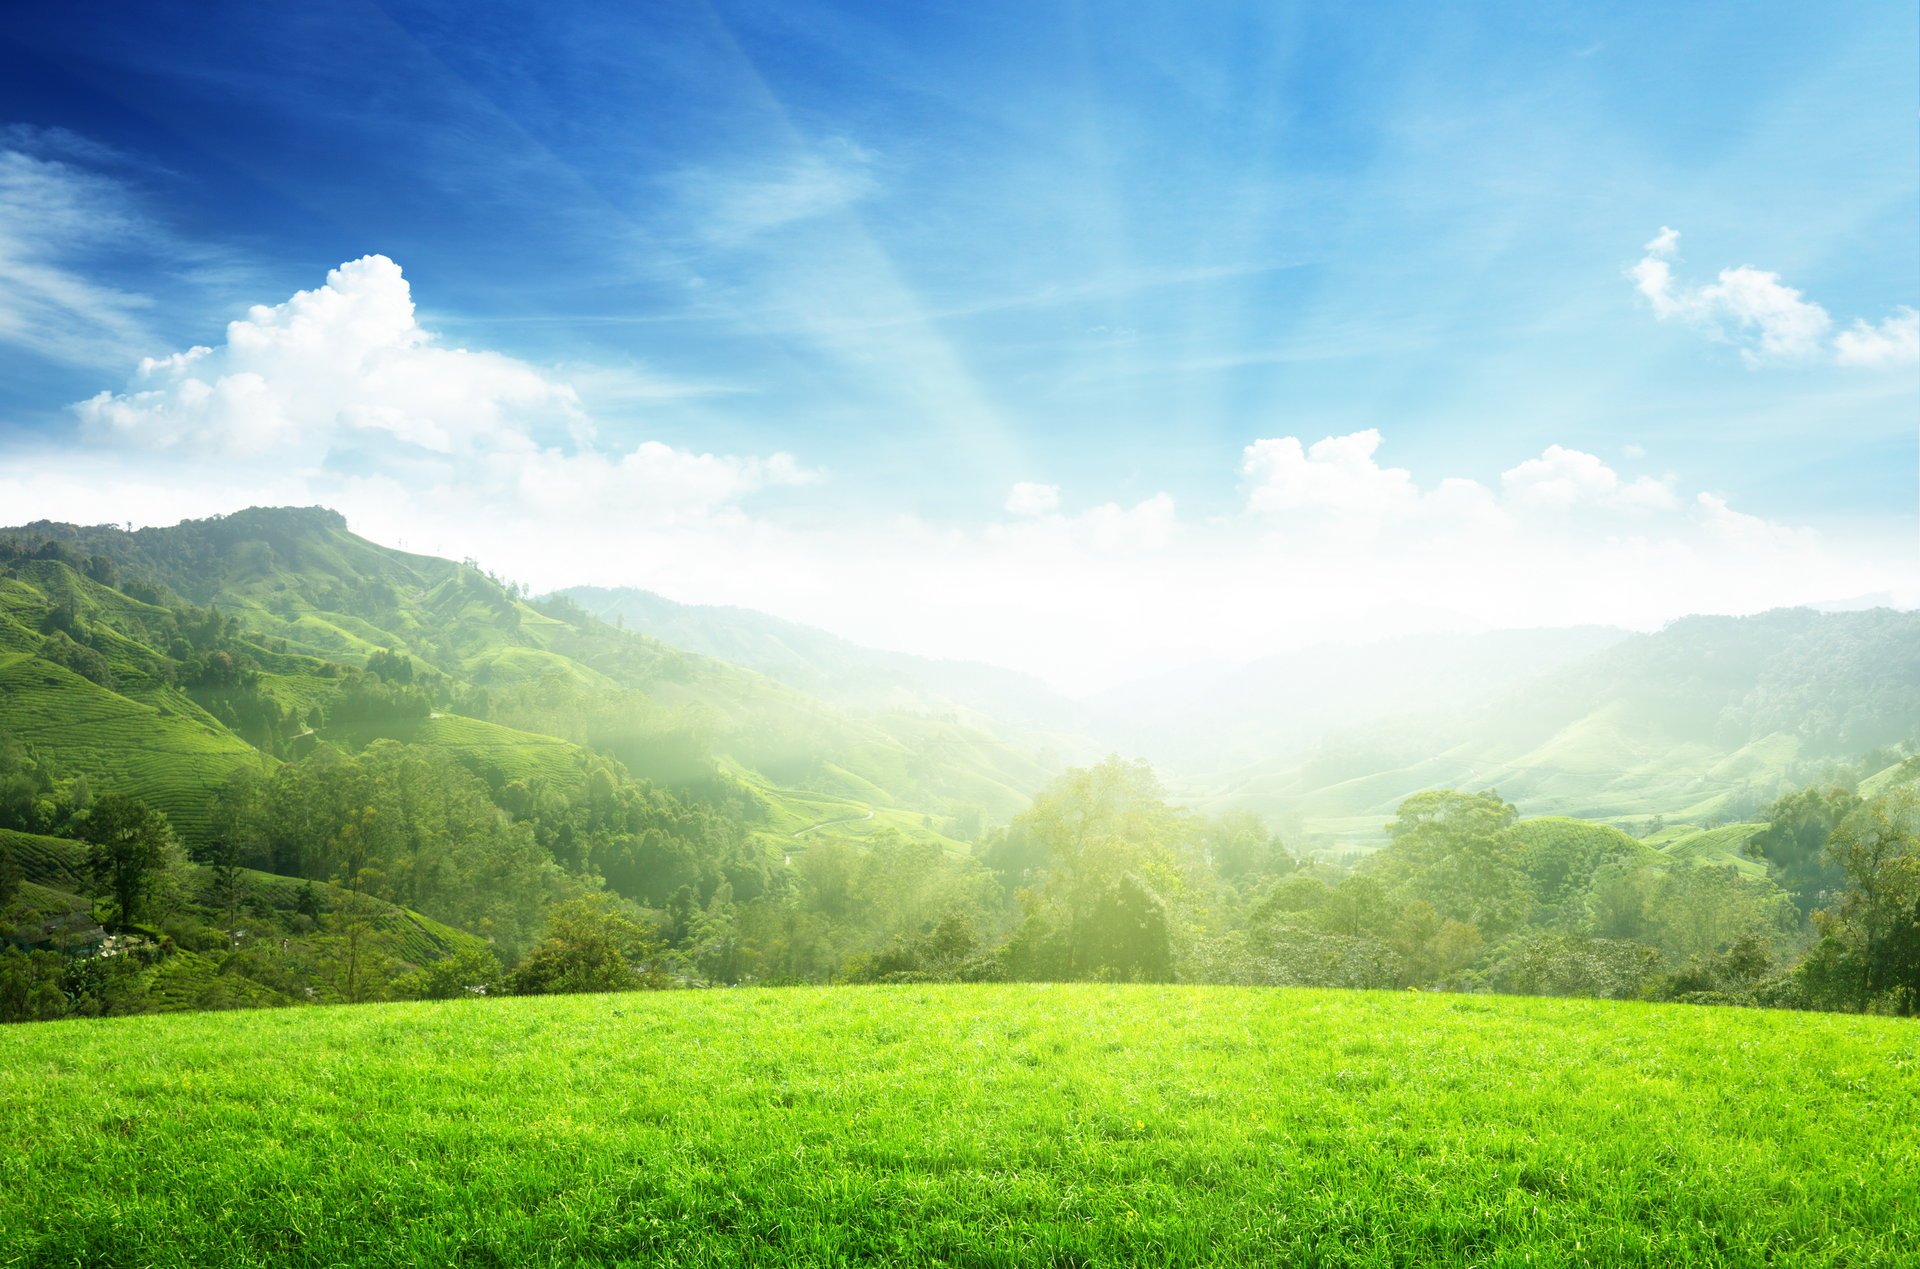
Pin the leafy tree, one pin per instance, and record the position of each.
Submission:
(1357, 905)
(1457, 851)
(1558, 964)
(30, 985)
(468, 972)
(11, 879)
(132, 848)
(1704, 910)
(1433, 946)
(1240, 847)
(1124, 935)
(1795, 840)
(591, 944)
(1106, 836)
(1875, 925)
(61, 649)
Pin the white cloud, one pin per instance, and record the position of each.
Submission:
(52, 215)
(654, 479)
(1564, 479)
(343, 384)
(339, 397)
(1742, 530)
(1029, 499)
(1765, 318)
(344, 358)
(1894, 342)
(1336, 476)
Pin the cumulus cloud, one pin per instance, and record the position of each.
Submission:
(338, 396)
(1747, 531)
(1338, 482)
(347, 357)
(1029, 499)
(1765, 318)
(343, 378)
(1894, 342)
(1563, 479)
(1335, 476)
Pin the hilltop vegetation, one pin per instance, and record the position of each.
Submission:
(260, 760)
(964, 1125)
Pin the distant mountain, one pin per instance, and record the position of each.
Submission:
(1705, 720)
(1221, 718)
(1702, 721)
(834, 669)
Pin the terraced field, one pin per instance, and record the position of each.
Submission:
(166, 757)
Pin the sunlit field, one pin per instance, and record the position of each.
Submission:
(965, 1125)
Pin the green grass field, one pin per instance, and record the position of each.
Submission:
(982, 1125)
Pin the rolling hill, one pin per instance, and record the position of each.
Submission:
(305, 590)
(1704, 722)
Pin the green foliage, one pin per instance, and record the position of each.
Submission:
(406, 824)
(30, 985)
(1794, 843)
(1553, 964)
(1459, 853)
(384, 763)
(60, 649)
(1870, 949)
(131, 852)
(590, 945)
(472, 971)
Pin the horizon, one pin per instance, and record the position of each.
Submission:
(1172, 671)
(950, 354)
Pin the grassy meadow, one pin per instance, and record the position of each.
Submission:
(967, 1125)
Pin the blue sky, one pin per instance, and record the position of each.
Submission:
(929, 251)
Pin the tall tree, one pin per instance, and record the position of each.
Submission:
(1457, 851)
(1794, 842)
(1877, 917)
(131, 848)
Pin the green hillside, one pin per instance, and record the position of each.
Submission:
(298, 581)
(1707, 720)
(371, 727)
(835, 669)
(171, 753)
(991, 1125)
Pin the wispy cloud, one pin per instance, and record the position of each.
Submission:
(736, 204)
(53, 218)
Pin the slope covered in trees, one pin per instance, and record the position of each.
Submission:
(326, 731)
